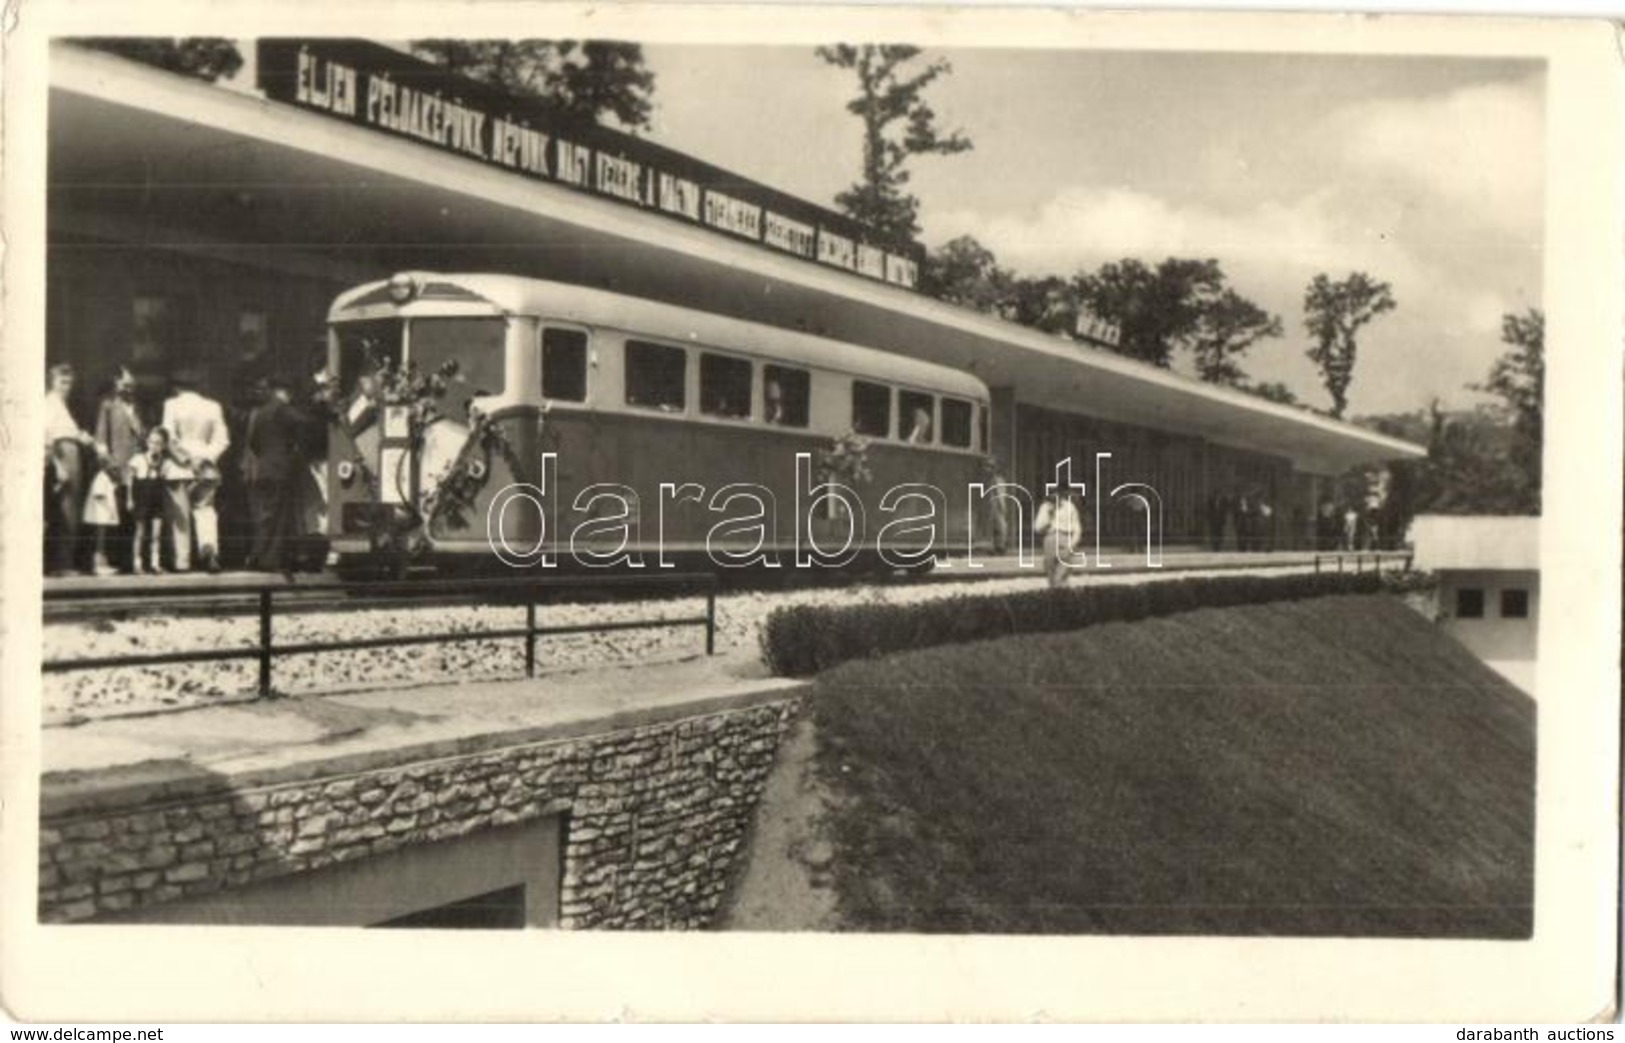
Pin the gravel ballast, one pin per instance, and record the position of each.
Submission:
(80, 695)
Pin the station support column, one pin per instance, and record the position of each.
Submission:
(1002, 430)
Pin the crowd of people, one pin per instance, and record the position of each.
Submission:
(1349, 526)
(1241, 521)
(191, 485)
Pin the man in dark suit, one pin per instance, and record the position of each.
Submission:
(121, 433)
(276, 465)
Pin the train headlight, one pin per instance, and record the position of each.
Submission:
(346, 471)
(404, 287)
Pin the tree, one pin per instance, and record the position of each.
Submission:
(579, 80)
(1519, 378)
(1179, 304)
(1228, 325)
(1274, 391)
(964, 272)
(204, 57)
(889, 95)
(1469, 468)
(1048, 303)
(1334, 313)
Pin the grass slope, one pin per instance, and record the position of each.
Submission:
(1329, 767)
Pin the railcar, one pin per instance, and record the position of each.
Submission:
(494, 418)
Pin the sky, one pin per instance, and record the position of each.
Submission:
(1424, 172)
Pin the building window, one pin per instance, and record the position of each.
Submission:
(150, 332)
(656, 376)
(871, 409)
(253, 334)
(786, 396)
(1515, 603)
(564, 364)
(917, 412)
(1470, 603)
(956, 423)
(724, 386)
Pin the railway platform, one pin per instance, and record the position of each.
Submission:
(949, 569)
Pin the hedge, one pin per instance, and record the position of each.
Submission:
(800, 640)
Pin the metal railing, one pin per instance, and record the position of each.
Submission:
(1401, 558)
(266, 594)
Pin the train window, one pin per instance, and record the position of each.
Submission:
(656, 376)
(871, 409)
(916, 410)
(981, 429)
(724, 386)
(564, 364)
(786, 395)
(474, 344)
(956, 423)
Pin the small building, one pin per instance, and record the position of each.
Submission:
(1489, 586)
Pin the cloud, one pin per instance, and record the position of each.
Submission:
(1479, 150)
(1440, 196)
(1267, 244)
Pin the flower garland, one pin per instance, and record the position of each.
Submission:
(419, 392)
(846, 460)
(454, 496)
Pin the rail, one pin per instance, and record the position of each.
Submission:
(266, 594)
(1401, 558)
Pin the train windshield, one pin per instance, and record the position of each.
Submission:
(474, 344)
(365, 347)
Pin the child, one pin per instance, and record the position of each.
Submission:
(148, 472)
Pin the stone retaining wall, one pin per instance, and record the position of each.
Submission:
(657, 812)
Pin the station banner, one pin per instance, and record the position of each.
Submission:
(389, 91)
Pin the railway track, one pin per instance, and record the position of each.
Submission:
(328, 592)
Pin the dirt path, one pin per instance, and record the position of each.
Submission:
(786, 883)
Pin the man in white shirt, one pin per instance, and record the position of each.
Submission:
(1060, 526)
(66, 445)
(197, 427)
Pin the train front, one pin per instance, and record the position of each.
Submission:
(435, 408)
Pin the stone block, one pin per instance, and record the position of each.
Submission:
(200, 850)
(87, 829)
(111, 884)
(314, 826)
(187, 872)
(114, 903)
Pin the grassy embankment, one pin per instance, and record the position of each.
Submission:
(1333, 766)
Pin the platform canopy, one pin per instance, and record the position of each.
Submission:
(149, 157)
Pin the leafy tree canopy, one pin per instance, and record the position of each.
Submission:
(1334, 313)
(898, 125)
(964, 272)
(583, 80)
(1518, 377)
(1274, 391)
(1180, 304)
(204, 57)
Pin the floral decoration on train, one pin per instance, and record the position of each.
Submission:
(417, 394)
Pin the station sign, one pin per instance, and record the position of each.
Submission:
(388, 91)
